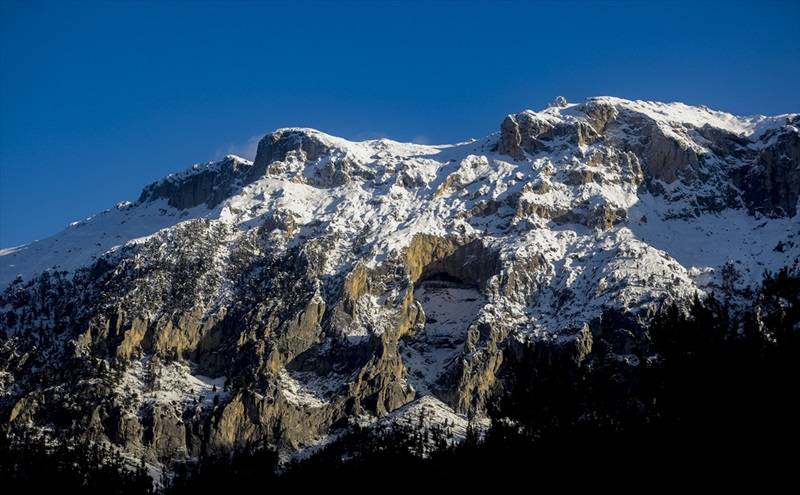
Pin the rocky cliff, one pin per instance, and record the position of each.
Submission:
(331, 282)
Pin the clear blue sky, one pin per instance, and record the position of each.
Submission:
(99, 99)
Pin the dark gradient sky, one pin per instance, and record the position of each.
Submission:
(99, 99)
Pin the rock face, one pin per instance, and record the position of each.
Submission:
(510, 138)
(773, 187)
(331, 281)
(672, 142)
(205, 185)
(277, 146)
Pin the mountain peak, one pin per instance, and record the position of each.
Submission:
(661, 148)
(559, 101)
(276, 145)
(331, 281)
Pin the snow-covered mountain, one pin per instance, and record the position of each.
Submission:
(331, 281)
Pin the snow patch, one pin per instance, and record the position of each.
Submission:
(449, 311)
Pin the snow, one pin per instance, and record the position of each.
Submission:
(533, 212)
(435, 414)
(170, 383)
(670, 114)
(399, 190)
(710, 240)
(306, 389)
(449, 311)
(198, 168)
(85, 241)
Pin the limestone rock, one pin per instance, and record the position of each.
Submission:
(510, 139)
(332, 281)
(277, 146)
(209, 184)
(773, 186)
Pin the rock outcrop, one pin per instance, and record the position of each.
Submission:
(331, 282)
(208, 185)
(277, 146)
(773, 186)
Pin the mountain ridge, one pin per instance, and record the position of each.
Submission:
(748, 126)
(330, 281)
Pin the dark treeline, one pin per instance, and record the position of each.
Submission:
(31, 464)
(698, 391)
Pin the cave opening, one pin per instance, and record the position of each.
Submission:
(443, 280)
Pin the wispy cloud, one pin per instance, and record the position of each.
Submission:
(246, 149)
(368, 135)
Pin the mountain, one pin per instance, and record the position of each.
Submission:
(331, 283)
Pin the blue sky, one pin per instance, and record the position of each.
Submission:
(99, 99)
